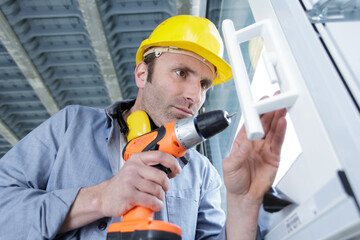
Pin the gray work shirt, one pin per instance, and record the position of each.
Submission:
(79, 147)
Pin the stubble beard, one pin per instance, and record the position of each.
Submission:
(159, 109)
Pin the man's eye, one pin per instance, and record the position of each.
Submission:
(205, 85)
(181, 73)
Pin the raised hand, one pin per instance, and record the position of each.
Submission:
(251, 166)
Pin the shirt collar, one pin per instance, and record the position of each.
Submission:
(115, 110)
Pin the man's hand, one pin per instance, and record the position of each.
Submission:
(136, 184)
(251, 166)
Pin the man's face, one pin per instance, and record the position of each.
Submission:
(177, 89)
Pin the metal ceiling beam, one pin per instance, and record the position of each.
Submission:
(192, 7)
(23, 61)
(95, 28)
(9, 135)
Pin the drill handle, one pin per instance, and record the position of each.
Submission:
(146, 142)
(163, 139)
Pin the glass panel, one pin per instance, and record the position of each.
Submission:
(224, 96)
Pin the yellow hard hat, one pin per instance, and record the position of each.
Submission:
(195, 34)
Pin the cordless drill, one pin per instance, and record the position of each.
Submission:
(173, 138)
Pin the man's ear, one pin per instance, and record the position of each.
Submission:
(141, 72)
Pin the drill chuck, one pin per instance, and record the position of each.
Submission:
(194, 130)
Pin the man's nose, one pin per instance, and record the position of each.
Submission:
(193, 92)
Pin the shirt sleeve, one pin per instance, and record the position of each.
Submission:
(211, 217)
(28, 209)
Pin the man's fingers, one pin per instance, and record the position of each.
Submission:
(278, 135)
(266, 121)
(151, 188)
(152, 158)
(155, 175)
(240, 137)
(269, 120)
(150, 202)
(239, 153)
(273, 128)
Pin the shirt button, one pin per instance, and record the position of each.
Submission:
(102, 226)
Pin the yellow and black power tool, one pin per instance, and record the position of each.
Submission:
(173, 138)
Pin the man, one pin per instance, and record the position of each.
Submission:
(67, 178)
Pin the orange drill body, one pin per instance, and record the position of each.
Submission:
(138, 223)
(173, 138)
(162, 139)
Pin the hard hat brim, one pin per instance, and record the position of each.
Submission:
(223, 69)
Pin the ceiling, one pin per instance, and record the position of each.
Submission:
(55, 53)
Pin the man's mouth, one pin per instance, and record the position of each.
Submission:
(185, 111)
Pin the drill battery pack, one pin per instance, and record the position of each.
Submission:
(143, 235)
(138, 224)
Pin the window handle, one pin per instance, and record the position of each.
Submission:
(251, 110)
